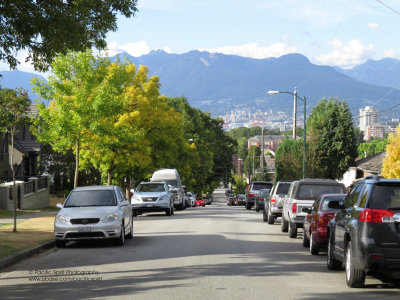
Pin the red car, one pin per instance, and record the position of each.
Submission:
(315, 226)
(200, 201)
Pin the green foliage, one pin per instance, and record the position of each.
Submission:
(391, 163)
(332, 145)
(372, 147)
(14, 109)
(239, 184)
(289, 160)
(46, 28)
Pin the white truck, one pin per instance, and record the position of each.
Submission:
(172, 178)
(302, 194)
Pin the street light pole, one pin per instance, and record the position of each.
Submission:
(294, 112)
(305, 132)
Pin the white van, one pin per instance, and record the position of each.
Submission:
(171, 177)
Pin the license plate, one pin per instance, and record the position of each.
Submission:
(84, 229)
(150, 205)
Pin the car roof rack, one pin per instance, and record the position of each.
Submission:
(376, 177)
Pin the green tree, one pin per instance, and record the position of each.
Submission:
(71, 89)
(391, 163)
(46, 28)
(289, 160)
(14, 109)
(372, 147)
(332, 145)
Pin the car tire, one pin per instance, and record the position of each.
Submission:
(284, 225)
(248, 206)
(271, 218)
(292, 230)
(265, 216)
(60, 244)
(130, 234)
(331, 262)
(306, 242)
(355, 278)
(168, 212)
(134, 214)
(121, 239)
(314, 248)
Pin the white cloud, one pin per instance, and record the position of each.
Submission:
(22, 66)
(346, 55)
(253, 50)
(204, 61)
(134, 49)
(373, 26)
(390, 53)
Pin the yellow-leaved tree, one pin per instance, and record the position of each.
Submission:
(391, 163)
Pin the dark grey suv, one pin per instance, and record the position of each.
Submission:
(252, 192)
(365, 233)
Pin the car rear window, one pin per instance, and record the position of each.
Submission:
(263, 194)
(259, 186)
(283, 189)
(336, 201)
(313, 191)
(385, 196)
(91, 198)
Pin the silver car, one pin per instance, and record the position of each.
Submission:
(94, 212)
(151, 197)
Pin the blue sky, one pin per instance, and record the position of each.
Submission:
(329, 32)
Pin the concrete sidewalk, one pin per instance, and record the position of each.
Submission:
(27, 216)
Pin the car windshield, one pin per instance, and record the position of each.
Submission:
(313, 191)
(91, 198)
(386, 196)
(173, 183)
(336, 202)
(151, 187)
(283, 189)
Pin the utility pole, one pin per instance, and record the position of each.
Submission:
(253, 162)
(262, 149)
(294, 112)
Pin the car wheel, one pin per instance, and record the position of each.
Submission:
(292, 230)
(265, 216)
(130, 235)
(168, 212)
(271, 219)
(60, 244)
(354, 277)
(248, 206)
(284, 225)
(306, 242)
(314, 249)
(121, 239)
(331, 262)
(134, 214)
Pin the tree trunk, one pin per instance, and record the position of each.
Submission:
(128, 188)
(110, 174)
(76, 163)
(14, 192)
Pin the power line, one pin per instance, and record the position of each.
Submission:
(387, 6)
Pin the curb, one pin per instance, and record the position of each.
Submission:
(27, 253)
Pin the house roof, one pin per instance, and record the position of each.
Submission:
(372, 164)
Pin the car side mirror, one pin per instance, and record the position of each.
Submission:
(59, 205)
(306, 210)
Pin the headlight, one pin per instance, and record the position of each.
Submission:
(163, 198)
(136, 199)
(111, 218)
(61, 219)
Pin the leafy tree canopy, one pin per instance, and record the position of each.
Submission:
(391, 163)
(46, 28)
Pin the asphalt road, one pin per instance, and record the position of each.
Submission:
(212, 252)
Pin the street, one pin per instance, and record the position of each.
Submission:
(212, 252)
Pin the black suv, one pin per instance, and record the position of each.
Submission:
(365, 233)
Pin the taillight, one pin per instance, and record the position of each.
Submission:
(294, 208)
(273, 200)
(251, 195)
(325, 218)
(376, 215)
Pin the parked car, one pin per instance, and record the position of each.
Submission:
(252, 191)
(365, 234)
(152, 197)
(208, 199)
(273, 206)
(172, 178)
(191, 198)
(231, 201)
(260, 199)
(315, 226)
(92, 213)
(200, 201)
(240, 199)
(302, 194)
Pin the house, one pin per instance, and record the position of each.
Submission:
(26, 152)
(271, 142)
(371, 165)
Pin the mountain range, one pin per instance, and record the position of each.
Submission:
(218, 83)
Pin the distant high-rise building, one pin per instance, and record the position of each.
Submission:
(369, 116)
